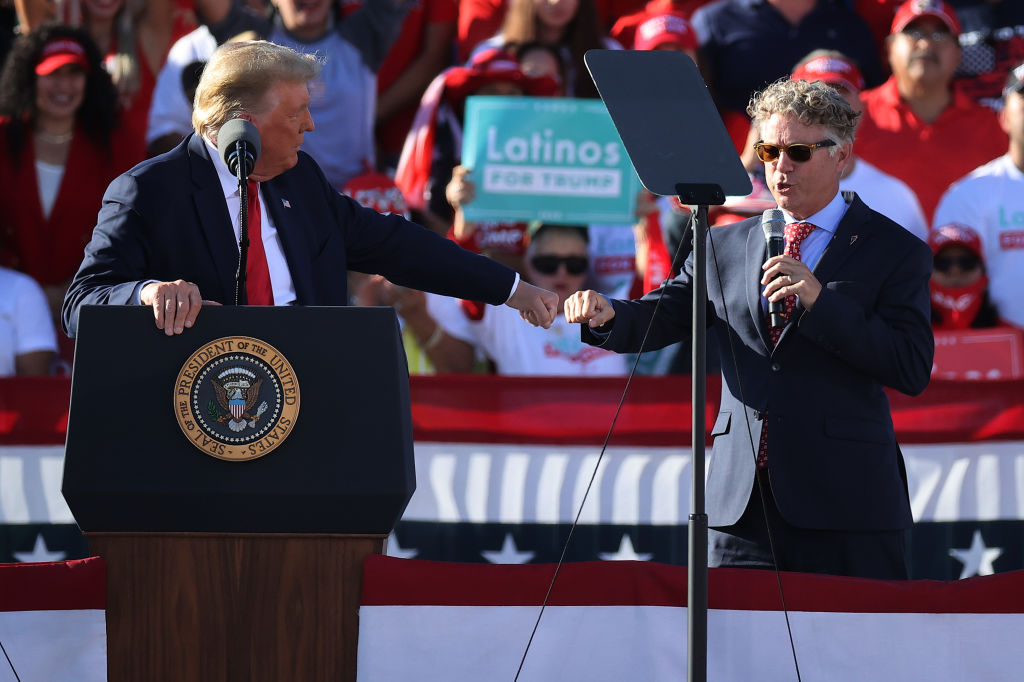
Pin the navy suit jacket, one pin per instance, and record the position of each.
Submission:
(832, 454)
(166, 219)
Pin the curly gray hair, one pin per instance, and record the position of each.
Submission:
(813, 103)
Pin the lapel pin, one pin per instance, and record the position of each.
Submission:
(853, 239)
(287, 204)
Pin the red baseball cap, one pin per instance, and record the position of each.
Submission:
(59, 52)
(492, 65)
(831, 69)
(665, 28)
(914, 9)
(955, 233)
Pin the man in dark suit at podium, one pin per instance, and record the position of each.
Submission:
(804, 442)
(164, 232)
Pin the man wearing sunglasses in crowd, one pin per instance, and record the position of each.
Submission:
(804, 446)
(556, 259)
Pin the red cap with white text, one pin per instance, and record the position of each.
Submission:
(831, 70)
(914, 9)
(665, 29)
(61, 52)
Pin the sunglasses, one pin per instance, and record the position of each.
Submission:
(940, 36)
(965, 263)
(798, 152)
(548, 265)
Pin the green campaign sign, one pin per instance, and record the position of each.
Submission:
(545, 158)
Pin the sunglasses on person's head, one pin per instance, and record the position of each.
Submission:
(548, 265)
(965, 262)
(798, 152)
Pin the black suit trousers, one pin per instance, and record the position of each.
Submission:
(745, 544)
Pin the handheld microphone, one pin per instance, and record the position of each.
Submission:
(773, 223)
(239, 143)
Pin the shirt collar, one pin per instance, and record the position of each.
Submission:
(827, 218)
(228, 182)
(889, 92)
(890, 95)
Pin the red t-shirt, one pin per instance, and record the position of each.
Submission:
(927, 156)
(49, 248)
(478, 21)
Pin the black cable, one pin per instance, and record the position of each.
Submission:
(586, 493)
(597, 466)
(687, 237)
(3, 649)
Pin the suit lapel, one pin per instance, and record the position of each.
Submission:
(849, 232)
(846, 239)
(214, 220)
(757, 252)
(289, 218)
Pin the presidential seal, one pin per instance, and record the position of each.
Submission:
(236, 398)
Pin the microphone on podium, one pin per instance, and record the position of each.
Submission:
(239, 144)
(773, 223)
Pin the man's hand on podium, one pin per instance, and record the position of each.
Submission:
(537, 306)
(175, 304)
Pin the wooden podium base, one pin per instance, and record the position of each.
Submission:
(224, 607)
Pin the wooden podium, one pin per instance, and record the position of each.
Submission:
(224, 565)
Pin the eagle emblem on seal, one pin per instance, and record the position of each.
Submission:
(238, 390)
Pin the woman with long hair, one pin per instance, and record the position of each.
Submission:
(60, 146)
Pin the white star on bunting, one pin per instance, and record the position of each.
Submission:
(625, 553)
(40, 552)
(977, 559)
(509, 553)
(396, 550)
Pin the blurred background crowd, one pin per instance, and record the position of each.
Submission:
(89, 88)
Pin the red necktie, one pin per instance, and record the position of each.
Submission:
(257, 273)
(795, 234)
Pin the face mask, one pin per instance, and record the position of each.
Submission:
(957, 306)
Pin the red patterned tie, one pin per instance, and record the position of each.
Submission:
(795, 234)
(257, 273)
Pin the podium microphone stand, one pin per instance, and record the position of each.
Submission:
(678, 145)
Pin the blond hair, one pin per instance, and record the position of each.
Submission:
(238, 77)
(812, 103)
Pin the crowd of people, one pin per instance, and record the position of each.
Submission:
(89, 88)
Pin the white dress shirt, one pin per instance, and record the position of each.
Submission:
(825, 222)
(280, 276)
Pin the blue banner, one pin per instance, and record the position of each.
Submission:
(557, 160)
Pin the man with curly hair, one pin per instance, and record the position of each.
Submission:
(805, 472)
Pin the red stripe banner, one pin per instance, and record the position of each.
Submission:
(410, 582)
(530, 410)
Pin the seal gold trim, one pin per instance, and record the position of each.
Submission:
(236, 398)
